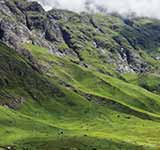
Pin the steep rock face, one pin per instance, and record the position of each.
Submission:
(14, 33)
(111, 40)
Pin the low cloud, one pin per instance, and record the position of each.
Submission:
(142, 8)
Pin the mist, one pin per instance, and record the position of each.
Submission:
(141, 8)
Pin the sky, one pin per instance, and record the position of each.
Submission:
(142, 8)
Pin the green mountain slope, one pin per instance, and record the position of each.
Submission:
(68, 110)
(73, 81)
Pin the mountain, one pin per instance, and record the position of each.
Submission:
(73, 81)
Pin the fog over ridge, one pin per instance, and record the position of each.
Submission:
(142, 8)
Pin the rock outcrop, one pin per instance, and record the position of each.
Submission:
(110, 39)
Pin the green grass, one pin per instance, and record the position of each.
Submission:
(79, 101)
(57, 113)
(119, 116)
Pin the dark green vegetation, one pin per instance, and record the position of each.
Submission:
(78, 81)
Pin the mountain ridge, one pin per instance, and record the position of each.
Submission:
(77, 81)
(49, 29)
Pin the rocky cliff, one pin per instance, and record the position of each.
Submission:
(130, 45)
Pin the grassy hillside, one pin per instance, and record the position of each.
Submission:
(77, 81)
(63, 105)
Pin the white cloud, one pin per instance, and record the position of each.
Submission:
(146, 8)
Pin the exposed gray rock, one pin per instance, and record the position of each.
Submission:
(13, 33)
(24, 22)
